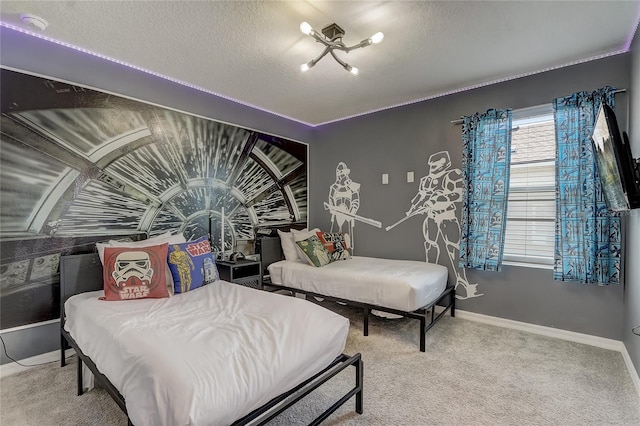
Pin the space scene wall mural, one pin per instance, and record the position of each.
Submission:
(78, 166)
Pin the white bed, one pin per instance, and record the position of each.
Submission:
(209, 356)
(406, 288)
(404, 285)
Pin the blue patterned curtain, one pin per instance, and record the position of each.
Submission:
(588, 235)
(486, 156)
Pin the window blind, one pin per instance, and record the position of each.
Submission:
(530, 228)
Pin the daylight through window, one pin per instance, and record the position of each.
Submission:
(530, 228)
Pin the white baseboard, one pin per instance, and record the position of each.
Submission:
(635, 378)
(572, 336)
(34, 361)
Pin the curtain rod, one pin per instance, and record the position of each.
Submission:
(461, 120)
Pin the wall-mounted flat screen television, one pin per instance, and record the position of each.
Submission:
(618, 170)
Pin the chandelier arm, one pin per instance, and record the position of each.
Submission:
(322, 55)
(340, 61)
(332, 44)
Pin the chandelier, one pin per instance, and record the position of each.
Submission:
(331, 38)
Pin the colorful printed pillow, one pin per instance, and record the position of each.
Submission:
(153, 241)
(135, 273)
(313, 251)
(302, 235)
(335, 244)
(192, 265)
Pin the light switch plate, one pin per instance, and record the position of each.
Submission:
(385, 178)
(409, 177)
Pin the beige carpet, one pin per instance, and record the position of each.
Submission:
(471, 374)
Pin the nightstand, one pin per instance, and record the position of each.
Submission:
(243, 272)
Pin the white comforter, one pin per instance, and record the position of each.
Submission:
(206, 357)
(405, 285)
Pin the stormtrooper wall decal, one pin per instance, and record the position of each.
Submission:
(438, 196)
(344, 202)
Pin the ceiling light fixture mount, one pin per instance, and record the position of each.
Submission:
(331, 38)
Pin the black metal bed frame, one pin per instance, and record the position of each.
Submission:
(270, 249)
(259, 416)
(421, 314)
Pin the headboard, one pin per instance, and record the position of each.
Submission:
(270, 251)
(268, 245)
(79, 273)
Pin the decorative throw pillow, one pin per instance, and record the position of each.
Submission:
(302, 235)
(192, 265)
(335, 244)
(153, 241)
(135, 273)
(314, 251)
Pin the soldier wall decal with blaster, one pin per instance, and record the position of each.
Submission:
(438, 203)
(337, 210)
(344, 202)
(438, 195)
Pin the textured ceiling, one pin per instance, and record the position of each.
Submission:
(251, 51)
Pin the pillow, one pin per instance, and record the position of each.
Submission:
(135, 273)
(302, 235)
(288, 245)
(192, 265)
(335, 244)
(299, 235)
(158, 239)
(314, 252)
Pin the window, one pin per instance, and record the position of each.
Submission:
(530, 228)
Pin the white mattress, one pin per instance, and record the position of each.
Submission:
(405, 285)
(206, 357)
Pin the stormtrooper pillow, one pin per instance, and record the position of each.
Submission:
(135, 273)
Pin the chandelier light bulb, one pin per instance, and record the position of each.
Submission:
(376, 38)
(306, 28)
(352, 70)
(304, 67)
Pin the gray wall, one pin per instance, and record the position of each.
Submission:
(34, 55)
(632, 286)
(401, 139)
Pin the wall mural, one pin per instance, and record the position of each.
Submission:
(439, 195)
(79, 166)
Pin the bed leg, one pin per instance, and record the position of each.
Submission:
(79, 377)
(453, 302)
(359, 382)
(366, 320)
(423, 332)
(62, 348)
